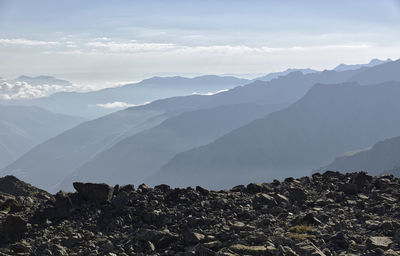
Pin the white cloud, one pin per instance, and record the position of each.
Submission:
(210, 93)
(23, 90)
(130, 46)
(116, 104)
(26, 42)
(133, 46)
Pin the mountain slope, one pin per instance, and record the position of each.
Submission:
(142, 154)
(329, 120)
(22, 128)
(383, 156)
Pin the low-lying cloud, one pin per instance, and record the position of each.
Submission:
(115, 104)
(210, 93)
(23, 90)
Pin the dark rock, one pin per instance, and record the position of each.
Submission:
(361, 179)
(96, 192)
(349, 188)
(163, 187)
(161, 239)
(239, 188)
(202, 191)
(201, 250)
(143, 188)
(309, 249)
(254, 188)
(14, 227)
(63, 205)
(127, 188)
(13, 186)
(192, 238)
(310, 219)
(303, 216)
(297, 194)
(261, 200)
(120, 200)
(249, 250)
(339, 241)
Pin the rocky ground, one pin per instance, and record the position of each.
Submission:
(326, 214)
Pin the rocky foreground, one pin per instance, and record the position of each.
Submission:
(326, 214)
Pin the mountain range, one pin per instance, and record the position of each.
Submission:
(64, 154)
(329, 120)
(186, 139)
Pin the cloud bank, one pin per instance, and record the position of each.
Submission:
(23, 90)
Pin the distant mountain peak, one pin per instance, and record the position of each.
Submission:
(288, 71)
(372, 63)
(40, 80)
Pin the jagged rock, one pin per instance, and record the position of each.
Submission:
(305, 216)
(99, 193)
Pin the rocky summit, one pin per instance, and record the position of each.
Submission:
(326, 214)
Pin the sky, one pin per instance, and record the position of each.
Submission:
(105, 42)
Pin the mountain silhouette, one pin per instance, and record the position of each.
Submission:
(329, 120)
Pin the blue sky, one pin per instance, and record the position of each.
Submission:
(110, 41)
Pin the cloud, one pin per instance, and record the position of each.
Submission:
(26, 42)
(106, 45)
(210, 93)
(23, 90)
(131, 46)
(115, 104)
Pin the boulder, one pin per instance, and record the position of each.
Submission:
(262, 199)
(96, 192)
